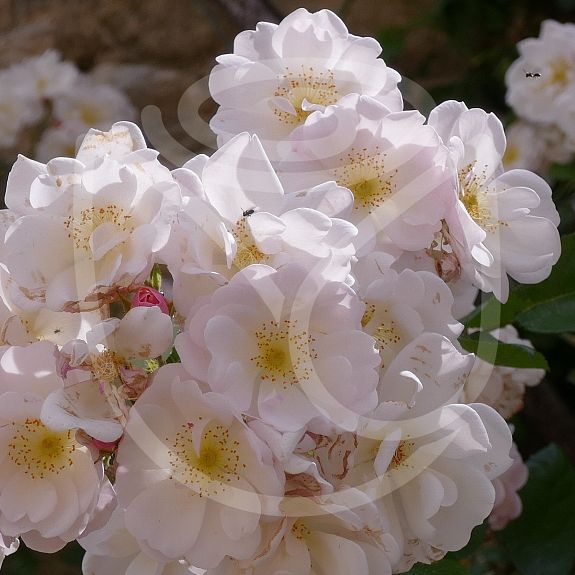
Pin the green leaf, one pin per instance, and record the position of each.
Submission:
(173, 357)
(553, 316)
(541, 540)
(562, 172)
(446, 566)
(490, 349)
(558, 286)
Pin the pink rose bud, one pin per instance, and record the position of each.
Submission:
(104, 445)
(149, 297)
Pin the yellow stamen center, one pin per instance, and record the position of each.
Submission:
(80, 228)
(247, 252)
(39, 451)
(473, 195)
(285, 353)
(211, 467)
(315, 87)
(364, 173)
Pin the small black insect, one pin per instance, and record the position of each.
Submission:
(532, 75)
(248, 213)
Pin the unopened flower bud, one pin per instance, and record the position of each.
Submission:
(149, 297)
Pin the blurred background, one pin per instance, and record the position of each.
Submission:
(152, 52)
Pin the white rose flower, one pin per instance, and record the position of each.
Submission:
(278, 75)
(430, 475)
(447, 267)
(286, 348)
(188, 460)
(90, 226)
(239, 215)
(99, 371)
(499, 386)
(391, 161)
(400, 307)
(111, 549)
(49, 484)
(326, 538)
(497, 214)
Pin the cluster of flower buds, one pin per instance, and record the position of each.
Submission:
(250, 364)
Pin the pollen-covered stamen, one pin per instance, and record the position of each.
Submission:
(315, 87)
(81, 227)
(285, 353)
(386, 335)
(473, 195)
(209, 468)
(401, 456)
(368, 314)
(365, 175)
(39, 451)
(106, 366)
(300, 530)
(247, 252)
(383, 328)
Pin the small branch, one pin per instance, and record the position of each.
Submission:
(247, 13)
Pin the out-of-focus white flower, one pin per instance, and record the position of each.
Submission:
(565, 140)
(502, 387)
(287, 348)
(45, 76)
(391, 161)
(542, 73)
(49, 484)
(90, 226)
(17, 109)
(526, 146)
(497, 214)
(188, 460)
(93, 106)
(62, 141)
(279, 74)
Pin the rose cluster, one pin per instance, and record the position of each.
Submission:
(48, 104)
(541, 92)
(250, 364)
